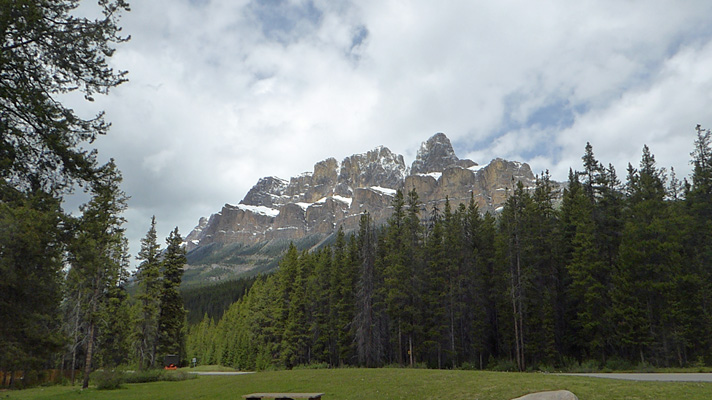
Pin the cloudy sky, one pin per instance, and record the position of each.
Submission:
(223, 92)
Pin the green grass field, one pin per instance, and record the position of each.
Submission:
(364, 384)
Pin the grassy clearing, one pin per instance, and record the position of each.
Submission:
(357, 384)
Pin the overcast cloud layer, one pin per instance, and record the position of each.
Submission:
(224, 92)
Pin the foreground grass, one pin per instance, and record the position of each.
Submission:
(357, 384)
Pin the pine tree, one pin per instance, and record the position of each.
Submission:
(592, 225)
(413, 248)
(367, 327)
(436, 321)
(321, 303)
(590, 277)
(294, 349)
(148, 277)
(651, 260)
(114, 342)
(171, 320)
(698, 203)
(98, 254)
(514, 227)
(397, 279)
(544, 296)
(478, 236)
(31, 246)
(46, 52)
(346, 262)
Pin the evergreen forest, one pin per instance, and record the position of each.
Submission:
(604, 271)
(64, 275)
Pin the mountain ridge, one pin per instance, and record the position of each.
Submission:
(314, 205)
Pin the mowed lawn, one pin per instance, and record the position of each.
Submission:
(384, 384)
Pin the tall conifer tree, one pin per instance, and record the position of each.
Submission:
(98, 254)
(171, 320)
(148, 277)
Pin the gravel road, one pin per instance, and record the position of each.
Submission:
(220, 373)
(657, 377)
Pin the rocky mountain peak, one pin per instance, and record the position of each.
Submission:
(266, 192)
(435, 155)
(312, 206)
(378, 167)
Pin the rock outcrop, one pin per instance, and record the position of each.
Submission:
(335, 194)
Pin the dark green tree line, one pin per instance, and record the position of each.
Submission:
(603, 270)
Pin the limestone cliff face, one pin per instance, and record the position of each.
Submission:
(378, 167)
(267, 192)
(335, 194)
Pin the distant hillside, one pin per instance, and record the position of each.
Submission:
(213, 300)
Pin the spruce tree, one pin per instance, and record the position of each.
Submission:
(321, 303)
(366, 321)
(478, 260)
(492, 295)
(284, 279)
(294, 349)
(339, 304)
(698, 205)
(436, 321)
(148, 277)
(515, 247)
(546, 266)
(114, 343)
(171, 320)
(590, 276)
(346, 261)
(592, 224)
(397, 288)
(651, 261)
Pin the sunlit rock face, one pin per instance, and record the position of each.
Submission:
(335, 194)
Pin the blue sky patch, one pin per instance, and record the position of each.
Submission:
(556, 114)
(280, 20)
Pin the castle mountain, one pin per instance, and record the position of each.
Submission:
(311, 207)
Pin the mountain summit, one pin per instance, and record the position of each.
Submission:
(312, 206)
(435, 155)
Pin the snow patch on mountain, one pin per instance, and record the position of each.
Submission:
(386, 191)
(347, 200)
(261, 210)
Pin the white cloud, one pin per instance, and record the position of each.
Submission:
(662, 115)
(223, 92)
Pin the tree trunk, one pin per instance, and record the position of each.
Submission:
(410, 350)
(87, 363)
(452, 336)
(520, 314)
(90, 336)
(400, 345)
(76, 337)
(74, 362)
